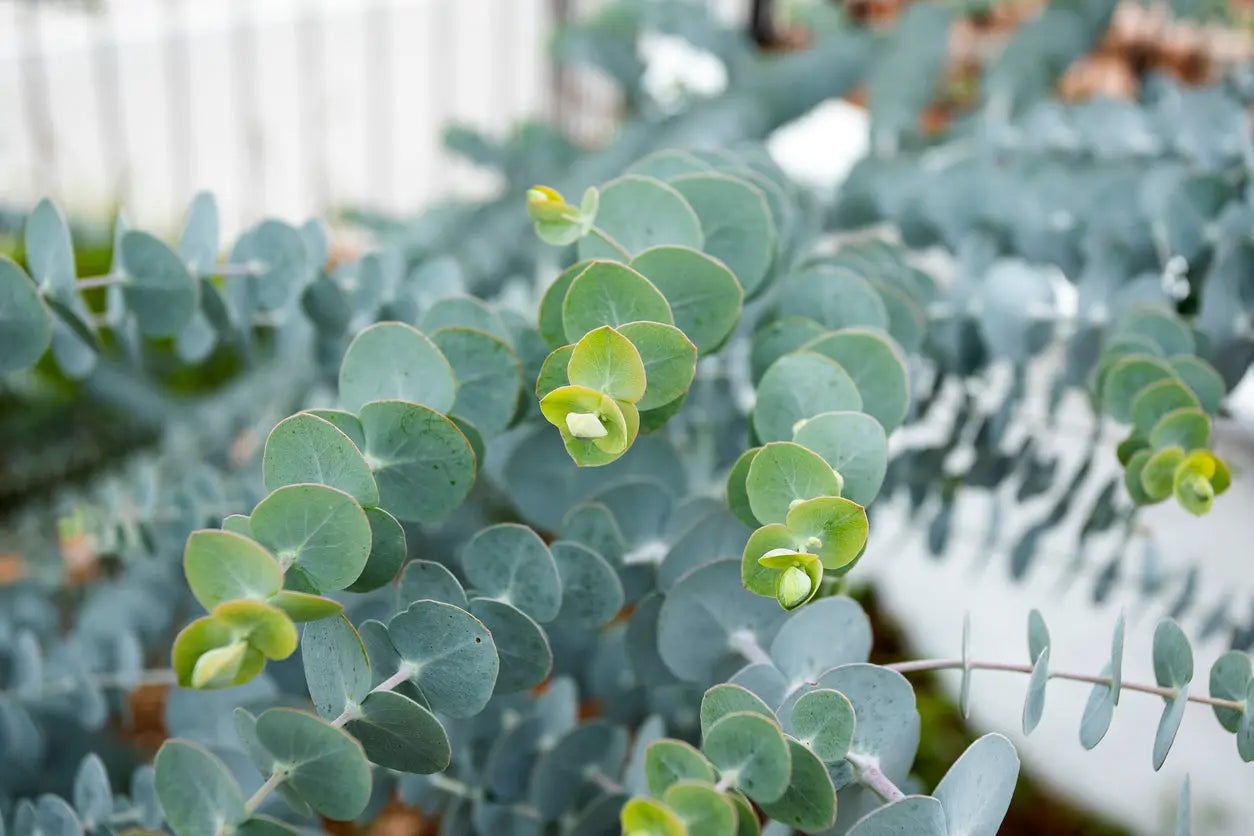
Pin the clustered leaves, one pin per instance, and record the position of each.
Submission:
(1150, 377)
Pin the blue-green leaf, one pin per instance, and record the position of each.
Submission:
(305, 448)
(336, 668)
(391, 361)
(400, 734)
(322, 764)
(197, 793)
(450, 654)
(976, 791)
(511, 563)
(522, 647)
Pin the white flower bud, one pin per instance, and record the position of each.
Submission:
(585, 425)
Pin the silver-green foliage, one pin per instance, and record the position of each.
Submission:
(499, 593)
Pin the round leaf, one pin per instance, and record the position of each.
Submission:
(158, 289)
(522, 647)
(591, 591)
(305, 448)
(25, 324)
(854, 445)
(832, 527)
(1188, 428)
(560, 777)
(511, 563)
(303, 606)
(704, 810)
(1202, 379)
(398, 733)
(1156, 400)
(702, 614)
(878, 370)
(320, 529)
(846, 633)
(451, 656)
(669, 761)
(1034, 704)
(460, 312)
(784, 473)
(324, 765)
(422, 463)
(1230, 679)
(704, 296)
(391, 361)
(1173, 656)
(799, 386)
(647, 817)
(430, 581)
(1168, 725)
(264, 627)
(738, 489)
(724, 699)
(489, 376)
(750, 750)
(835, 297)
(387, 552)
(824, 720)
(279, 251)
(1162, 327)
(553, 374)
(605, 360)
(780, 337)
(221, 566)
(916, 815)
(202, 637)
(670, 361)
(887, 720)
(639, 213)
(197, 793)
(552, 328)
(755, 576)
(736, 221)
(1126, 379)
(336, 668)
(608, 293)
(809, 801)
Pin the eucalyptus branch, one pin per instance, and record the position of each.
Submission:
(868, 773)
(109, 279)
(1157, 690)
(277, 776)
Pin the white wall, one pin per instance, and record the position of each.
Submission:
(281, 107)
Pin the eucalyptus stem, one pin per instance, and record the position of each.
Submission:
(90, 282)
(1157, 690)
(109, 279)
(746, 644)
(868, 773)
(608, 239)
(277, 776)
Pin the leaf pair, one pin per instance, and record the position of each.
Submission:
(826, 532)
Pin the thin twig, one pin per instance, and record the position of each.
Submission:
(870, 776)
(1157, 690)
(278, 775)
(605, 236)
(230, 270)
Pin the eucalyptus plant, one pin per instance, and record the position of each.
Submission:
(544, 517)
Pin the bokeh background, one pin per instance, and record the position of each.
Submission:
(300, 108)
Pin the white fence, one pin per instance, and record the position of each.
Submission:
(281, 107)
